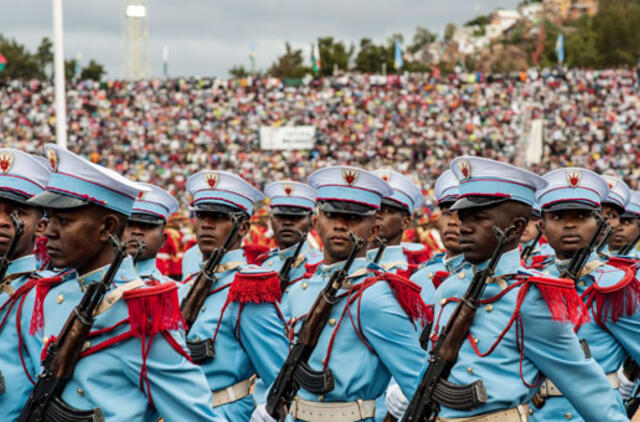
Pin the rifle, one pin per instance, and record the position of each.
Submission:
(286, 384)
(382, 245)
(192, 302)
(632, 372)
(141, 248)
(423, 405)
(627, 248)
(5, 260)
(283, 274)
(62, 356)
(604, 240)
(526, 252)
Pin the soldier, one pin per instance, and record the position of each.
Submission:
(191, 261)
(146, 225)
(240, 331)
(21, 177)
(394, 217)
(370, 335)
(125, 357)
(539, 254)
(609, 293)
(628, 231)
(613, 206)
(521, 330)
(438, 268)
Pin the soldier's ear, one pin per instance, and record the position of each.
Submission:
(244, 228)
(406, 220)
(314, 222)
(111, 224)
(164, 239)
(519, 224)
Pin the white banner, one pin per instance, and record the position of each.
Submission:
(287, 137)
(535, 142)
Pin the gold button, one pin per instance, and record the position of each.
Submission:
(80, 391)
(321, 397)
(530, 411)
(568, 416)
(322, 360)
(191, 283)
(197, 339)
(60, 299)
(461, 275)
(45, 340)
(547, 272)
(433, 336)
(489, 308)
(304, 285)
(86, 345)
(469, 370)
(203, 308)
(332, 322)
(581, 284)
(443, 301)
(286, 290)
(430, 275)
(476, 340)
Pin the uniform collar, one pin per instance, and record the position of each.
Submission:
(125, 273)
(328, 270)
(453, 262)
(563, 263)
(22, 265)
(233, 256)
(509, 263)
(286, 253)
(146, 267)
(390, 254)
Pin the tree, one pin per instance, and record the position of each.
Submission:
(617, 28)
(371, 57)
(333, 54)
(449, 31)
(421, 38)
(20, 62)
(289, 65)
(481, 20)
(94, 71)
(238, 71)
(44, 55)
(70, 69)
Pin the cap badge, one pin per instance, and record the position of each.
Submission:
(573, 178)
(288, 188)
(611, 183)
(6, 161)
(53, 159)
(212, 179)
(385, 175)
(140, 195)
(465, 169)
(350, 176)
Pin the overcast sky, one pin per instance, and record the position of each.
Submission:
(208, 37)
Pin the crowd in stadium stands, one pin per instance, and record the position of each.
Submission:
(162, 131)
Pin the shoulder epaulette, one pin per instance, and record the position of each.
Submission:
(153, 309)
(310, 268)
(561, 298)
(253, 284)
(439, 277)
(416, 257)
(252, 252)
(614, 293)
(407, 294)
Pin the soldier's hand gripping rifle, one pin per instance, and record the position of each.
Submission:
(5, 260)
(283, 274)
(629, 246)
(526, 252)
(424, 405)
(287, 383)
(192, 302)
(382, 245)
(62, 356)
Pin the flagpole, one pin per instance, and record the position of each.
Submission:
(59, 80)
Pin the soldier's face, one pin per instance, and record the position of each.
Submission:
(611, 214)
(448, 225)
(75, 237)
(334, 229)
(30, 216)
(568, 230)
(626, 231)
(531, 231)
(286, 227)
(152, 235)
(213, 228)
(393, 222)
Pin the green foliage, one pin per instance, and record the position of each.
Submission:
(333, 54)
(70, 69)
(449, 30)
(94, 71)
(289, 65)
(238, 71)
(481, 20)
(371, 57)
(421, 38)
(44, 54)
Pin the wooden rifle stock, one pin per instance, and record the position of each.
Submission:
(422, 406)
(62, 356)
(5, 260)
(197, 294)
(285, 386)
(283, 274)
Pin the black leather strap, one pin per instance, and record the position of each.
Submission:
(316, 382)
(460, 397)
(201, 351)
(3, 387)
(59, 411)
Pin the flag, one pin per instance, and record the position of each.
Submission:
(397, 58)
(165, 61)
(315, 60)
(3, 61)
(560, 48)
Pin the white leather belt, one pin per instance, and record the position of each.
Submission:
(516, 414)
(549, 389)
(313, 411)
(232, 393)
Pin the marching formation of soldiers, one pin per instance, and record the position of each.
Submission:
(532, 312)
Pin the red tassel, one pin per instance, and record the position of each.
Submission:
(252, 252)
(416, 257)
(40, 251)
(43, 285)
(621, 299)
(562, 299)
(255, 288)
(537, 262)
(154, 309)
(407, 293)
(311, 268)
(439, 277)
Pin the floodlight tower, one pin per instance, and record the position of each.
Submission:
(135, 39)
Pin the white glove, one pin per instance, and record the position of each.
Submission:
(261, 415)
(626, 386)
(395, 401)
